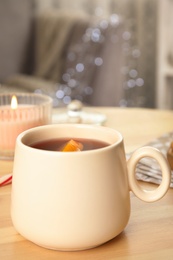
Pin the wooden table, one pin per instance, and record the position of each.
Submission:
(149, 233)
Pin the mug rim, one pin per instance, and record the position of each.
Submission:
(26, 133)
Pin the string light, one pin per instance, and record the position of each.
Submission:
(74, 83)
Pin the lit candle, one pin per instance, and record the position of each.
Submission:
(18, 117)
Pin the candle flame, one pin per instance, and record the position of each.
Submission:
(14, 103)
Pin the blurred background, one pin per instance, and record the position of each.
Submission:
(102, 52)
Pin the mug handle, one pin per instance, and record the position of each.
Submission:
(160, 191)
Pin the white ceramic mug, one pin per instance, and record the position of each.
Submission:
(76, 200)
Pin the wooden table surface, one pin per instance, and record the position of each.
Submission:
(149, 233)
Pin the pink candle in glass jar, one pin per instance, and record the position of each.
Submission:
(16, 118)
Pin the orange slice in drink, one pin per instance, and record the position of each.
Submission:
(72, 146)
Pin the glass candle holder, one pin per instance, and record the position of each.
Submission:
(19, 112)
